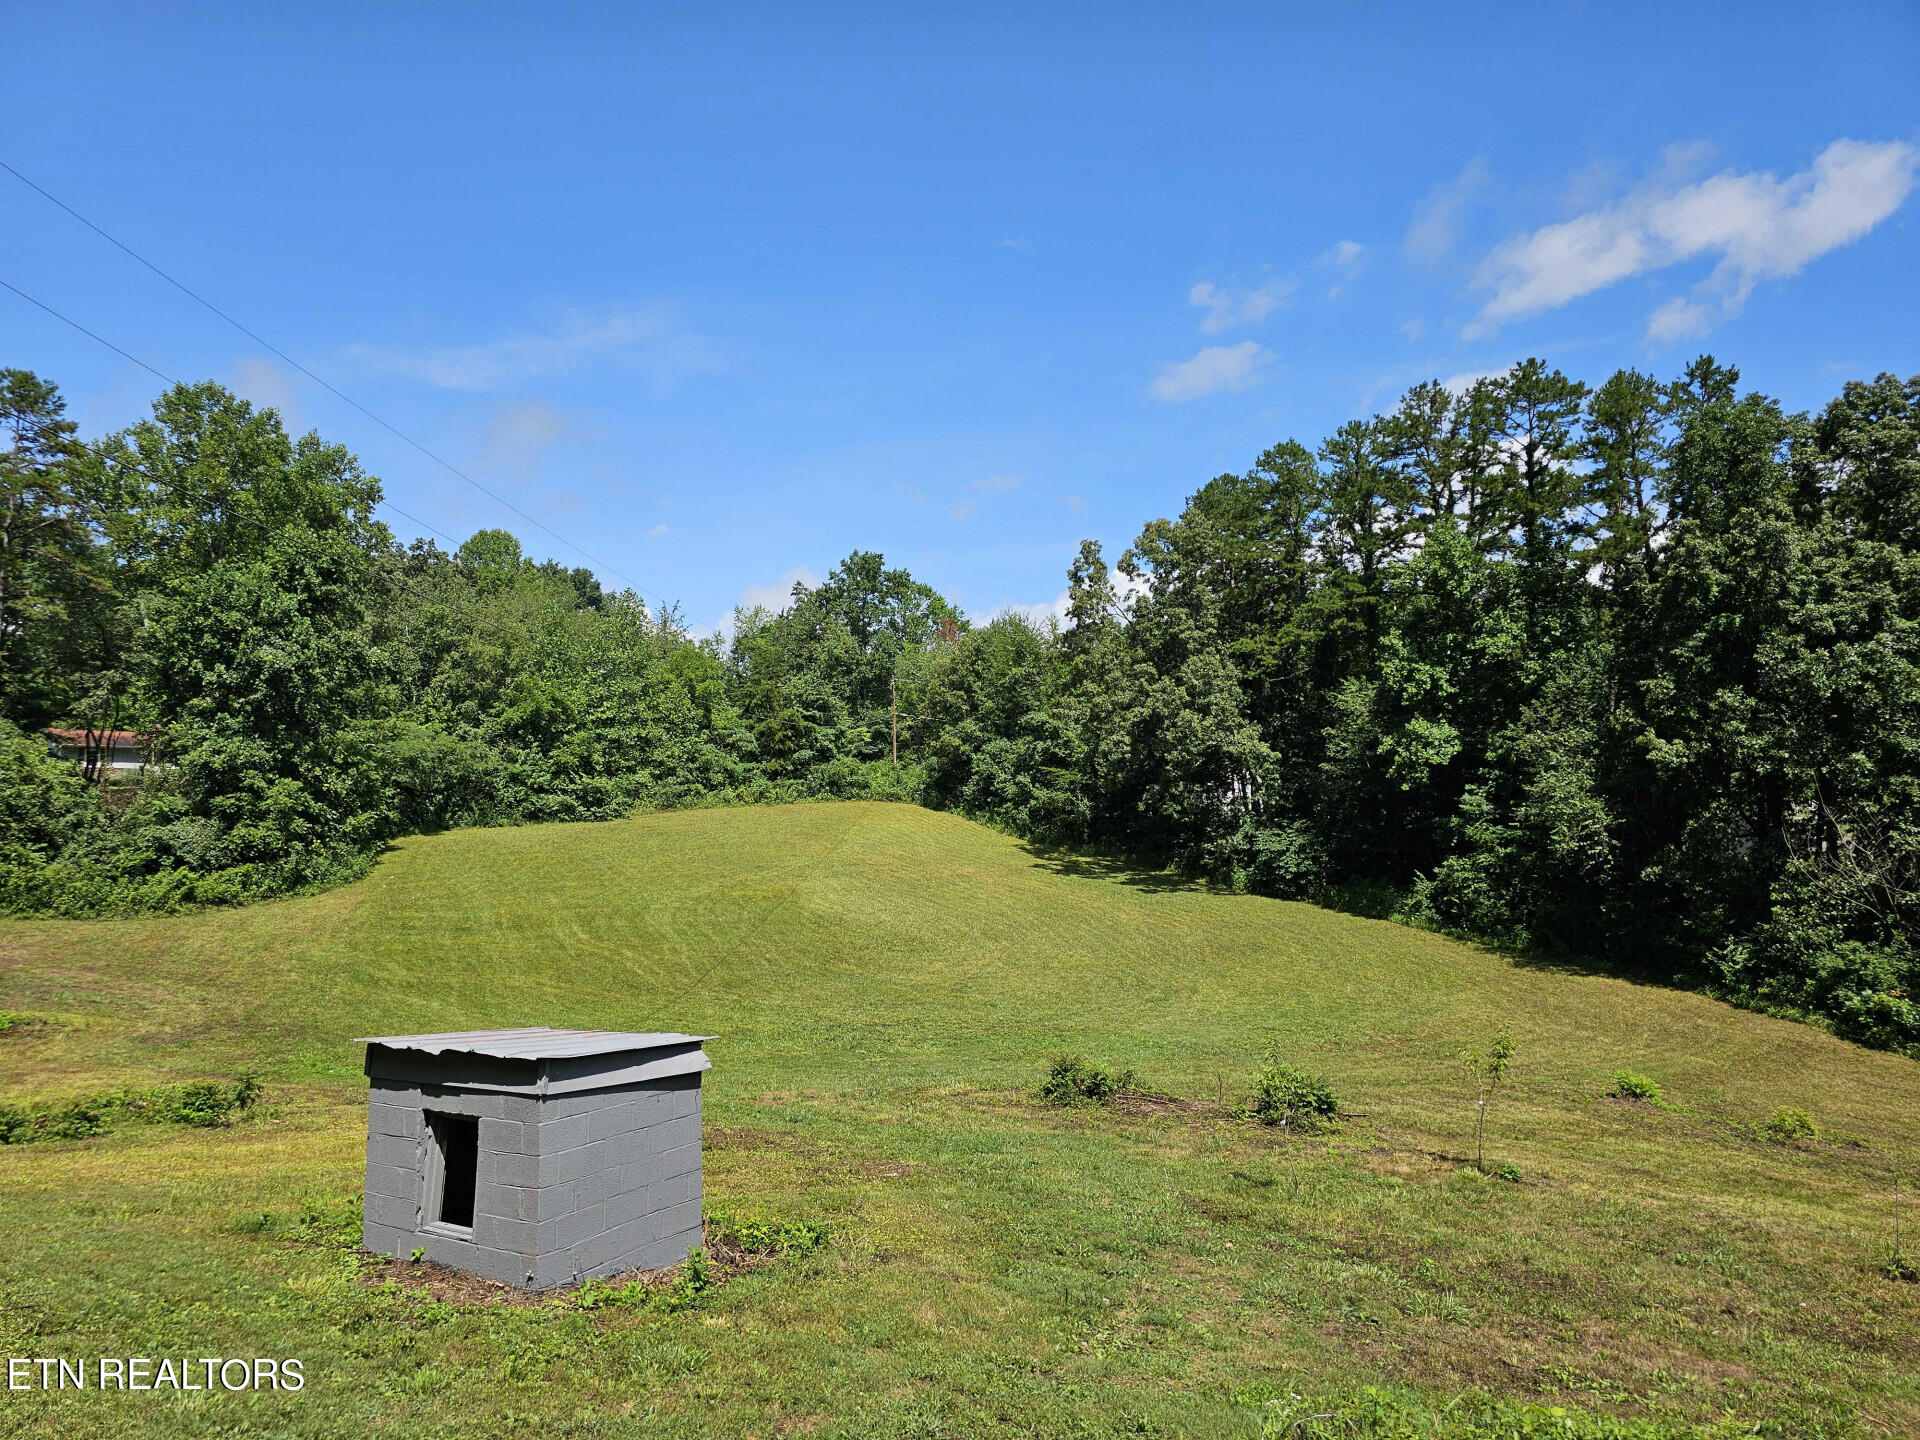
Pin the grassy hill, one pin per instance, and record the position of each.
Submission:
(887, 984)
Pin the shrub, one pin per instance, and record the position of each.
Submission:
(1789, 1123)
(1286, 1095)
(76, 1121)
(1288, 861)
(204, 1103)
(1073, 1080)
(1628, 1085)
(1509, 1172)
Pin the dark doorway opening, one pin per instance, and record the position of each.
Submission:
(457, 1138)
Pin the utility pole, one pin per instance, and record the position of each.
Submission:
(893, 707)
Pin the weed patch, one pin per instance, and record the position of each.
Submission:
(1073, 1080)
(1629, 1085)
(738, 1238)
(1789, 1124)
(203, 1103)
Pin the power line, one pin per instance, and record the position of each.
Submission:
(331, 389)
(88, 333)
(162, 375)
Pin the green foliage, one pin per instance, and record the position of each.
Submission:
(1788, 1123)
(1286, 1095)
(732, 1241)
(1629, 672)
(45, 806)
(1509, 1172)
(689, 1282)
(760, 1235)
(695, 1279)
(1486, 1069)
(1489, 1067)
(202, 1103)
(1074, 1080)
(51, 564)
(332, 1225)
(1629, 1085)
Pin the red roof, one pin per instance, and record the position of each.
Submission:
(119, 739)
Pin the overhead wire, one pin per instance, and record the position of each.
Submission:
(168, 379)
(324, 384)
(69, 320)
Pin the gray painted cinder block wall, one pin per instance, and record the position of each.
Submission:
(567, 1186)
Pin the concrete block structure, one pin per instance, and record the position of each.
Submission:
(535, 1157)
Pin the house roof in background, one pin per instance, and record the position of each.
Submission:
(67, 736)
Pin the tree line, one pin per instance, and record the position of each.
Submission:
(1627, 673)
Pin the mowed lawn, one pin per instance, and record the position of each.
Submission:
(886, 984)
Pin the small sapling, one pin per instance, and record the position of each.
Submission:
(1486, 1069)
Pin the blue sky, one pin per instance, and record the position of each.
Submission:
(721, 293)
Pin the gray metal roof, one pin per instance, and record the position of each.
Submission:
(533, 1042)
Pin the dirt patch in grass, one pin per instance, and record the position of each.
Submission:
(745, 1137)
(1146, 1102)
(445, 1285)
(1133, 1104)
(1391, 1162)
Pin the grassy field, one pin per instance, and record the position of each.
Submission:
(887, 984)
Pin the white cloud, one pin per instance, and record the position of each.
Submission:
(995, 484)
(648, 339)
(1125, 590)
(1216, 368)
(1414, 329)
(520, 435)
(266, 382)
(659, 529)
(1226, 308)
(779, 595)
(1679, 320)
(1052, 613)
(530, 425)
(1343, 257)
(1759, 228)
(985, 485)
(1465, 380)
(1437, 220)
